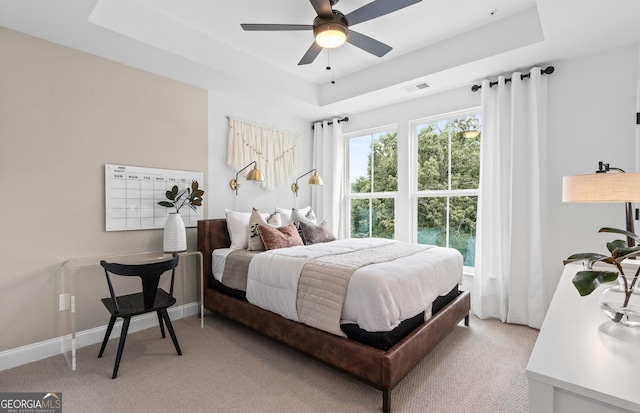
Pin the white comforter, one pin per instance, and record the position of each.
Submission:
(379, 296)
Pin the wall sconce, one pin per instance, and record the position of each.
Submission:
(314, 180)
(605, 187)
(254, 175)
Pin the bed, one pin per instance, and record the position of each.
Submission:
(380, 368)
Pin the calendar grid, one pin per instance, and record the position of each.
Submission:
(132, 194)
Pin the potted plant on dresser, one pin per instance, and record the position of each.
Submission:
(621, 301)
(174, 239)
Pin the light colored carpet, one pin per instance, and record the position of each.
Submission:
(228, 368)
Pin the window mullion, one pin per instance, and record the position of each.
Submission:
(373, 171)
(448, 220)
(372, 166)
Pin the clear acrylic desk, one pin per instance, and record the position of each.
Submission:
(81, 285)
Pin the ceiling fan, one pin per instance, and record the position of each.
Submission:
(331, 28)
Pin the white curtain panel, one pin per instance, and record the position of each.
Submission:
(509, 277)
(276, 152)
(328, 159)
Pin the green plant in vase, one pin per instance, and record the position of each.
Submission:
(190, 197)
(587, 280)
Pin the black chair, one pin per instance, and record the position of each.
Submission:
(150, 299)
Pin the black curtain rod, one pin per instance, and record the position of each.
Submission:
(546, 71)
(345, 119)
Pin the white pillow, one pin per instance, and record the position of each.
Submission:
(238, 226)
(298, 215)
(285, 214)
(258, 218)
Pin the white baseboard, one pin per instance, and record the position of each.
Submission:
(49, 348)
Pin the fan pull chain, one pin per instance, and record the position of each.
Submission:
(333, 82)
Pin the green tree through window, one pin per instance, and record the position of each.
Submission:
(373, 162)
(448, 178)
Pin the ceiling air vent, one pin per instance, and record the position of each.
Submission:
(416, 87)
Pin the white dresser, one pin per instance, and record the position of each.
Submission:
(583, 362)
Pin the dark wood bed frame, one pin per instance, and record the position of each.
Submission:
(380, 369)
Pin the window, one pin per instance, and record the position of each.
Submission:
(373, 183)
(447, 154)
(440, 203)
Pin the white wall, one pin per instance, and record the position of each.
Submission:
(592, 105)
(250, 195)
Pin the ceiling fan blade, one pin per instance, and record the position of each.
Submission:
(368, 44)
(275, 27)
(377, 8)
(311, 54)
(322, 7)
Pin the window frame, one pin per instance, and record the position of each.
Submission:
(349, 196)
(416, 194)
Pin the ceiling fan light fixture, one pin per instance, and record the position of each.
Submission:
(330, 35)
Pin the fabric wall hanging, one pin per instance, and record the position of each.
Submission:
(277, 152)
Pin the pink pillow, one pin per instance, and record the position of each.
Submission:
(282, 237)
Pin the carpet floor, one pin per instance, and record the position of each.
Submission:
(228, 368)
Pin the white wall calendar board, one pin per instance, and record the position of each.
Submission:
(132, 194)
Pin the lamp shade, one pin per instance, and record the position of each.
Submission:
(601, 187)
(315, 179)
(255, 174)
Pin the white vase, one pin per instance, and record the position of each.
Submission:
(175, 236)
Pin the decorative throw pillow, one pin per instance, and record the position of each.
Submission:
(285, 213)
(314, 234)
(238, 226)
(282, 237)
(298, 215)
(256, 219)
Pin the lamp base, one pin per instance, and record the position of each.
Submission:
(630, 228)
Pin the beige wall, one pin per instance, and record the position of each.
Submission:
(63, 115)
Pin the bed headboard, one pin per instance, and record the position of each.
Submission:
(212, 234)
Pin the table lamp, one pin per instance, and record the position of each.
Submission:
(608, 184)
